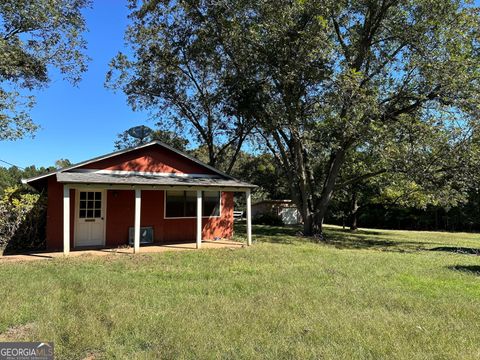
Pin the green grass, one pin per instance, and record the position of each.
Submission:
(367, 295)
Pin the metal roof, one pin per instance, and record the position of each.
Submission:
(137, 179)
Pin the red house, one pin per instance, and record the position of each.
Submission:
(151, 191)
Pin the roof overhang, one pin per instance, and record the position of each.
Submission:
(112, 180)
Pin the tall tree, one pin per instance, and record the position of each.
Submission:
(323, 79)
(34, 36)
(177, 74)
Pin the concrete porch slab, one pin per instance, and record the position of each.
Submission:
(206, 244)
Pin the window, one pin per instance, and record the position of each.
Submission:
(211, 203)
(90, 206)
(190, 203)
(184, 204)
(181, 204)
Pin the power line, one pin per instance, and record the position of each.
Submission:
(6, 162)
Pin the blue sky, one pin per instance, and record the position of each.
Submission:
(80, 122)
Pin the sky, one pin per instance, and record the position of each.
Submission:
(78, 123)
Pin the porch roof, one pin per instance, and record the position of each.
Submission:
(149, 180)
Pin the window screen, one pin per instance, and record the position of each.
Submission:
(211, 203)
(184, 203)
(190, 203)
(175, 204)
(181, 204)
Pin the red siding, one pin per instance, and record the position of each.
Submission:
(151, 159)
(120, 216)
(55, 215)
(221, 227)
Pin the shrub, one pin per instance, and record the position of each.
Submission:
(22, 220)
(267, 219)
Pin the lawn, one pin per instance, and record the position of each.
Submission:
(372, 294)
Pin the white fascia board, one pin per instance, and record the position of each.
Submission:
(145, 173)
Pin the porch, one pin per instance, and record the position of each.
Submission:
(146, 205)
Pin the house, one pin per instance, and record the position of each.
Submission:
(285, 209)
(151, 189)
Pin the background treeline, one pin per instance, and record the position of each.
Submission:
(464, 217)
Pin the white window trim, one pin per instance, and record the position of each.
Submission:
(165, 217)
(148, 173)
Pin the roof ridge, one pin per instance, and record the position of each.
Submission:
(124, 151)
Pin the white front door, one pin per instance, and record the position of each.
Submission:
(90, 218)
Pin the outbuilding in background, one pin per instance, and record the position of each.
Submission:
(286, 210)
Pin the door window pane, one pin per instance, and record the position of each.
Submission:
(91, 208)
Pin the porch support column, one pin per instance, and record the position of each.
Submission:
(66, 219)
(138, 205)
(199, 219)
(249, 217)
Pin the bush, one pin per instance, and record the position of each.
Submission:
(267, 219)
(22, 220)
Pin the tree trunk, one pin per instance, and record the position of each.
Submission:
(327, 192)
(307, 224)
(353, 211)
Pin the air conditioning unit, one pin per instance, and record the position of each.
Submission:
(146, 235)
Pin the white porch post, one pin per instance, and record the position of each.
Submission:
(66, 219)
(249, 217)
(138, 205)
(199, 219)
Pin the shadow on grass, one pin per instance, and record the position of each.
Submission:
(336, 237)
(346, 239)
(368, 239)
(273, 234)
(457, 250)
(469, 269)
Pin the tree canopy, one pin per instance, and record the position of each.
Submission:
(174, 74)
(36, 35)
(324, 80)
